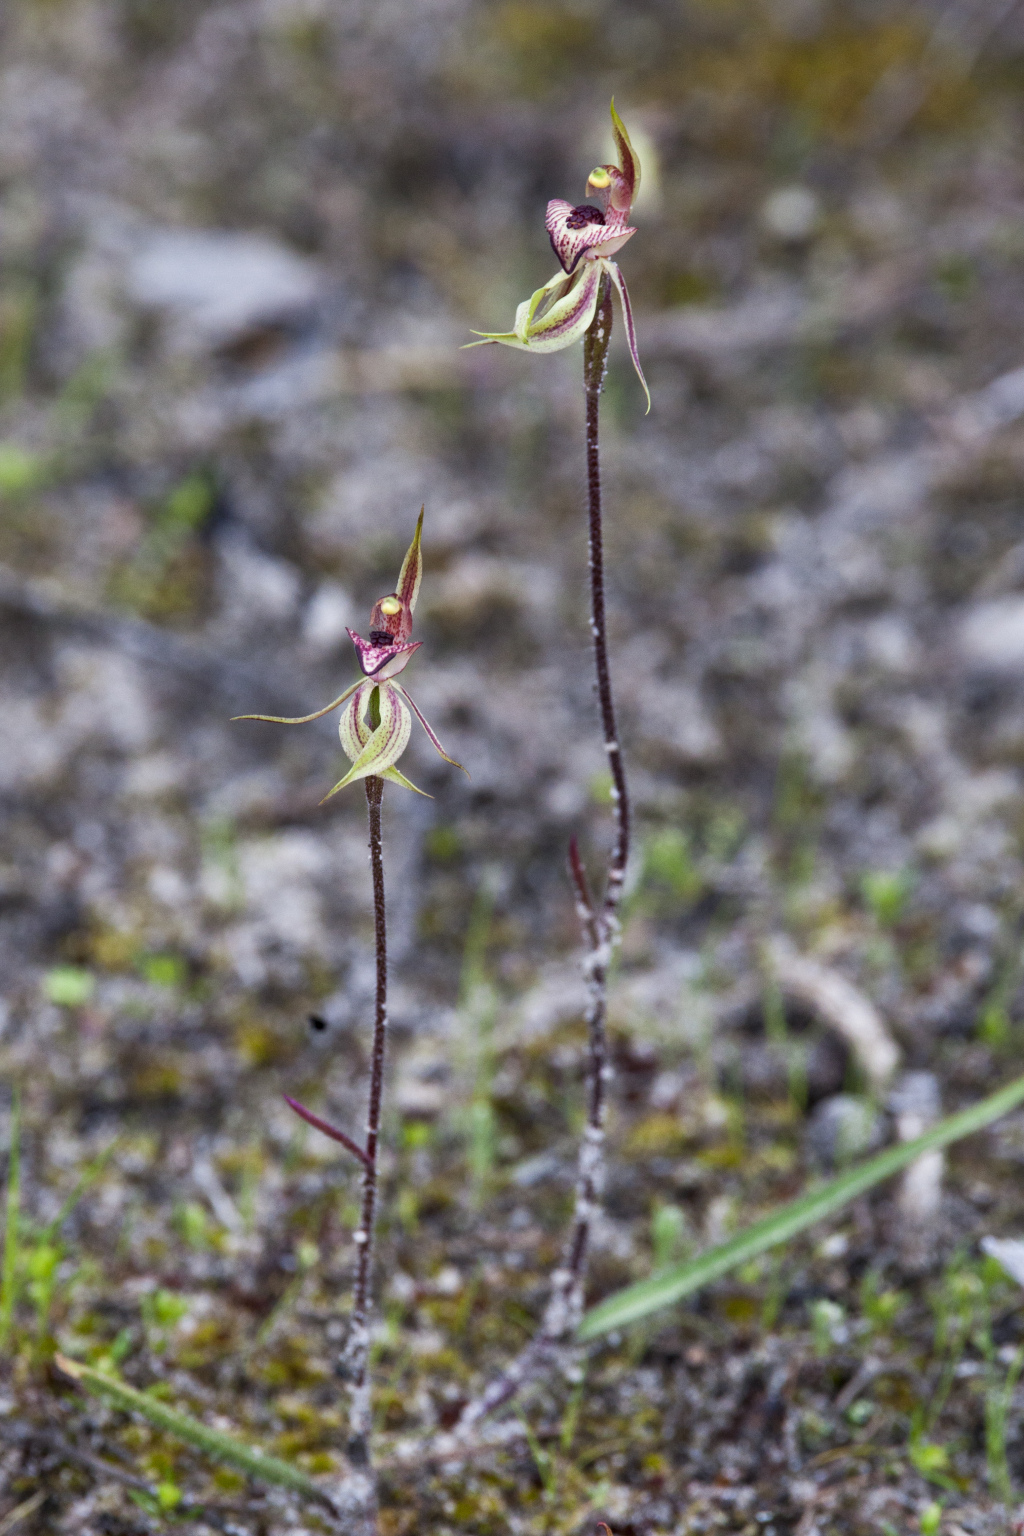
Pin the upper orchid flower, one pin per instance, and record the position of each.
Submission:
(375, 727)
(584, 238)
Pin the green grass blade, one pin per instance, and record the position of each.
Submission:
(647, 1296)
(85, 1183)
(9, 1269)
(217, 1445)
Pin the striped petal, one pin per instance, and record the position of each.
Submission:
(627, 318)
(382, 661)
(562, 322)
(385, 745)
(355, 733)
(568, 318)
(433, 739)
(352, 728)
(586, 230)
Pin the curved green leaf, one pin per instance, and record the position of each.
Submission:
(671, 1285)
(216, 1444)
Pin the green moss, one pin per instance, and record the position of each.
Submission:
(69, 986)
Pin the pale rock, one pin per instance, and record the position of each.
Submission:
(278, 876)
(672, 715)
(991, 634)
(255, 587)
(1007, 1251)
(329, 614)
(216, 285)
(842, 1128)
(791, 214)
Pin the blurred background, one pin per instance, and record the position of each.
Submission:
(241, 245)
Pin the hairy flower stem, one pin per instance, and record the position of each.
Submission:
(600, 924)
(357, 1349)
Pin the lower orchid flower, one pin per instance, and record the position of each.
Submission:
(376, 725)
(584, 239)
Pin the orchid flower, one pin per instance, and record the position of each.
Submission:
(376, 725)
(584, 238)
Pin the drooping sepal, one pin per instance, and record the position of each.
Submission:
(627, 318)
(423, 721)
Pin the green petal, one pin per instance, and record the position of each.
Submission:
(385, 746)
(519, 336)
(400, 778)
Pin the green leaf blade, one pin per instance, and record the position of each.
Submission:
(640, 1300)
(215, 1443)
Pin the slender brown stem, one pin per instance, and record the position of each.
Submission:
(358, 1347)
(600, 925)
(595, 361)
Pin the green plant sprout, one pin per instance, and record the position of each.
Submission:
(220, 1447)
(69, 986)
(930, 1519)
(886, 892)
(33, 1259)
(776, 1025)
(669, 863)
(9, 1268)
(478, 1009)
(669, 1235)
(21, 472)
(827, 1318)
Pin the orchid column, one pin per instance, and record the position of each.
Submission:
(577, 305)
(374, 731)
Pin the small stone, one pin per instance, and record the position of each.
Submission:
(843, 1127)
(217, 285)
(791, 214)
(992, 634)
